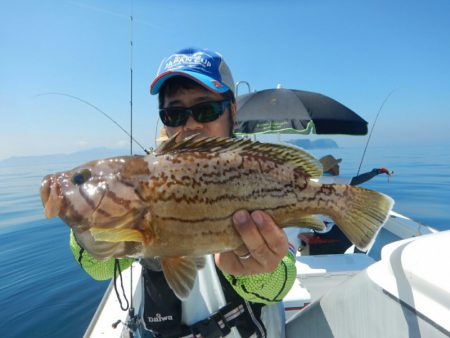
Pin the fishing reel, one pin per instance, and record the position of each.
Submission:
(130, 326)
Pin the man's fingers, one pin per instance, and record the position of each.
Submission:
(265, 241)
(274, 238)
(249, 232)
(264, 245)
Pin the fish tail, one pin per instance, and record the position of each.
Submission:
(362, 214)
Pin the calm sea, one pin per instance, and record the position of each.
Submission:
(43, 292)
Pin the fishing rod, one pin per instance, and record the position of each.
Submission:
(131, 78)
(100, 111)
(132, 322)
(371, 130)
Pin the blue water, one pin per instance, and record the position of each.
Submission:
(43, 292)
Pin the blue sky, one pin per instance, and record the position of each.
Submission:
(356, 52)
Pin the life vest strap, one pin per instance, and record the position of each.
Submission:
(217, 325)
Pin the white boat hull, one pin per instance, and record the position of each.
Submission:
(325, 284)
(406, 294)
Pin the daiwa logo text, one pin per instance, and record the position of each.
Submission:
(158, 318)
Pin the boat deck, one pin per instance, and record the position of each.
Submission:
(316, 275)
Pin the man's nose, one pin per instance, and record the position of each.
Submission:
(191, 124)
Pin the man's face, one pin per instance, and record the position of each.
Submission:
(187, 98)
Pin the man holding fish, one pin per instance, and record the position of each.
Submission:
(192, 198)
(196, 97)
(200, 80)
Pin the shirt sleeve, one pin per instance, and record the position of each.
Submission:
(97, 269)
(266, 288)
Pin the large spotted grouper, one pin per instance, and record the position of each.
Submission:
(177, 203)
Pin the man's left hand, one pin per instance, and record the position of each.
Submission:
(265, 245)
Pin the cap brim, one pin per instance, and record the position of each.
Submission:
(203, 80)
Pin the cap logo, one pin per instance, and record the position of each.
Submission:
(205, 67)
(195, 60)
(217, 84)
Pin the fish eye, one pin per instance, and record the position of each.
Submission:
(81, 177)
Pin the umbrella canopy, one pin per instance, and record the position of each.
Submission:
(295, 111)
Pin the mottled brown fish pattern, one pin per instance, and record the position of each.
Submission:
(179, 201)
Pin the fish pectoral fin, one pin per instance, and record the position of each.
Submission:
(312, 222)
(180, 273)
(101, 249)
(200, 262)
(116, 235)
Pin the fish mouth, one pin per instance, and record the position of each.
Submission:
(50, 196)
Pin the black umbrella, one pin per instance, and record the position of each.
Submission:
(295, 111)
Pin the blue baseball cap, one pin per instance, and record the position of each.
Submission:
(201, 65)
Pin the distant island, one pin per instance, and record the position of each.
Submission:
(324, 143)
(98, 153)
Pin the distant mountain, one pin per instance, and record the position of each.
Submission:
(80, 157)
(324, 143)
(77, 157)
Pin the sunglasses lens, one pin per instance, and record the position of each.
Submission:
(173, 117)
(202, 113)
(207, 112)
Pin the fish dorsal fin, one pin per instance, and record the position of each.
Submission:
(180, 273)
(202, 144)
(167, 145)
(297, 157)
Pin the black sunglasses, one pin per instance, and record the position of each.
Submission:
(202, 113)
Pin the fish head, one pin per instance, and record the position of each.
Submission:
(96, 194)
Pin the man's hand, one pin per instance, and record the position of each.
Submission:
(265, 244)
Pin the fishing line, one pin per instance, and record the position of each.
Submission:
(371, 131)
(100, 111)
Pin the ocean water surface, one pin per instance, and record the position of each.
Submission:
(44, 293)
